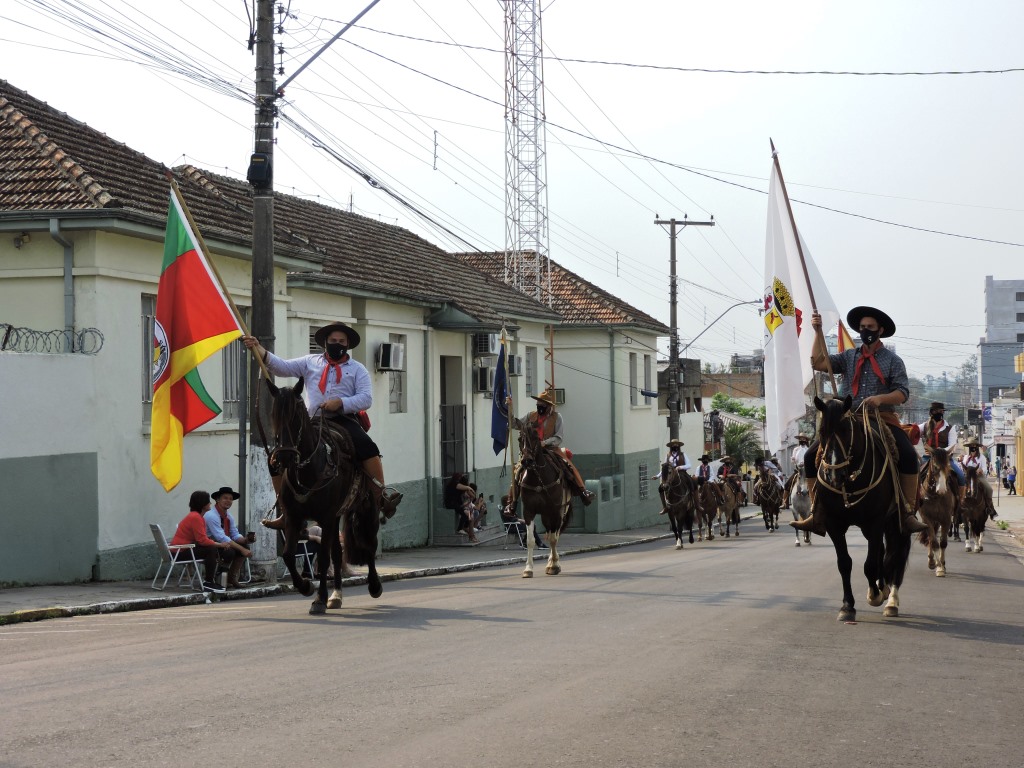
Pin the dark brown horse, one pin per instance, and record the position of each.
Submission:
(769, 497)
(728, 507)
(974, 510)
(936, 508)
(322, 482)
(541, 482)
(680, 501)
(857, 486)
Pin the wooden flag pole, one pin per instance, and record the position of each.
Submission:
(213, 267)
(803, 263)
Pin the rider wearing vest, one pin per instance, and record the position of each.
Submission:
(975, 458)
(676, 458)
(876, 378)
(704, 470)
(726, 476)
(773, 471)
(797, 461)
(547, 422)
(938, 433)
(338, 388)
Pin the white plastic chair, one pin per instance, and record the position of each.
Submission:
(174, 556)
(515, 529)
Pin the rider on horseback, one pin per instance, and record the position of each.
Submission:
(548, 424)
(677, 460)
(337, 388)
(937, 433)
(773, 470)
(704, 470)
(726, 475)
(875, 377)
(976, 459)
(797, 461)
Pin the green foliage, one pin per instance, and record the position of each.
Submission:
(721, 402)
(741, 443)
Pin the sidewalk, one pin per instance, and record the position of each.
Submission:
(63, 600)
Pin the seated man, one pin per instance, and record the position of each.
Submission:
(677, 460)
(508, 515)
(192, 530)
(220, 527)
(704, 470)
(876, 378)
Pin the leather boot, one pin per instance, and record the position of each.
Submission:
(816, 522)
(233, 570)
(910, 485)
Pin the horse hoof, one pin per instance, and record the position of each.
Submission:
(306, 588)
(940, 572)
(679, 545)
(846, 613)
(375, 588)
(979, 548)
(891, 612)
(317, 608)
(931, 563)
(553, 570)
(334, 602)
(798, 542)
(527, 574)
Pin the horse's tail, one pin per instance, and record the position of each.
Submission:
(359, 532)
(924, 537)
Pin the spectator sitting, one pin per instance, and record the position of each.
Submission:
(508, 515)
(479, 509)
(313, 535)
(220, 527)
(192, 530)
(456, 492)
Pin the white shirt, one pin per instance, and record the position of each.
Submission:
(355, 388)
(954, 434)
(798, 455)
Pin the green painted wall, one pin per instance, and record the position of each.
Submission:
(50, 514)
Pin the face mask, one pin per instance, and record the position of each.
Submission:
(542, 409)
(937, 416)
(868, 337)
(675, 450)
(336, 350)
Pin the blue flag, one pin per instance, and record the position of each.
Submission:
(499, 410)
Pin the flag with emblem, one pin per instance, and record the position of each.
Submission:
(193, 320)
(788, 337)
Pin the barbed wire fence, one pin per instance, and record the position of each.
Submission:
(87, 341)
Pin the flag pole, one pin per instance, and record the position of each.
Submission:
(213, 267)
(803, 263)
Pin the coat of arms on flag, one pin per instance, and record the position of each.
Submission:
(778, 305)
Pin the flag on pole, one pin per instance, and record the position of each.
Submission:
(193, 320)
(499, 409)
(788, 337)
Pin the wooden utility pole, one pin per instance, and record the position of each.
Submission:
(673, 345)
(261, 494)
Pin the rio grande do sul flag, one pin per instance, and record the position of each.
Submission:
(788, 337)
(193, 320)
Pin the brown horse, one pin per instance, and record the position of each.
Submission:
(708, 500)
(540, 481)
(936, 508)
(729, 508)
(322, 482)
(769, 498)
(680, 501)
(974, 510)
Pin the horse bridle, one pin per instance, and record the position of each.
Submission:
(302, 492)
(833, 444)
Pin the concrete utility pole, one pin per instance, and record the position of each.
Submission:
(673, 345)
(261, 494)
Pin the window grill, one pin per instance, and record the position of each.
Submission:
(643, 480)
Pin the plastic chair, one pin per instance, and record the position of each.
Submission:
(517, 528)
(173, 556)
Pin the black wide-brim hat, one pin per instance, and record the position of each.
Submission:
(936, 406)
(322, 334)
(224, 489)
(855, 315)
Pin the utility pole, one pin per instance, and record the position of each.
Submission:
(261, 494)
(673, 345)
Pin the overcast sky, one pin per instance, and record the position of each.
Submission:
(935, 152)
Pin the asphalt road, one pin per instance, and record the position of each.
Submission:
(725, 654)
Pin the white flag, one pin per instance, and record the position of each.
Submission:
(788, 337)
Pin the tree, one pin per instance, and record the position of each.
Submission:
(741, 443)
(722, 402)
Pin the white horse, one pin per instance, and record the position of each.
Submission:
(800, 500)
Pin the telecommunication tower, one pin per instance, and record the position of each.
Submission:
(526, 194)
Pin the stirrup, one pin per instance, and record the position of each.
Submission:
(389, 503)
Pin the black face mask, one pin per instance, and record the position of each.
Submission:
(675, 450)
(336, 351)
(542, 410)
(937, 416)
(868, 337)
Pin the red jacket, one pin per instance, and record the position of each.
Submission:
(192, 530)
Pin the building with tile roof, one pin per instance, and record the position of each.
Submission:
(82, 220)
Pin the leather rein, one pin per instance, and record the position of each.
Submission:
(834, 445)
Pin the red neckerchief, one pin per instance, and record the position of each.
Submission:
(865, 355)
(328, 368)
(540, 424)
(225, 523)
(934, 439)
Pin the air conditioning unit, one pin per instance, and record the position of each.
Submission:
(391, 357)
(483, 379)
(560, 396)
(515, 365)
(486, 344)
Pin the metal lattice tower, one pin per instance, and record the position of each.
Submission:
(526, 193)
